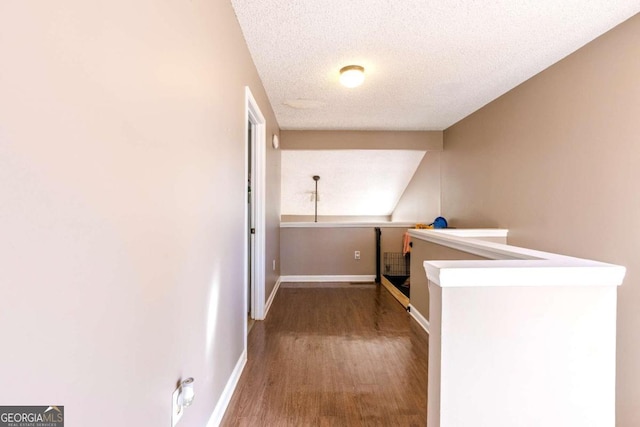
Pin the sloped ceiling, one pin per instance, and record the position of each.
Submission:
(352, 182)
(429, 63)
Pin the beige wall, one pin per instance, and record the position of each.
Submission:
(556, 162)
(327, 251)
(123, 195)
(420, 201)
(420, 252)
(272, 209)
(330, 251)
(373, 140)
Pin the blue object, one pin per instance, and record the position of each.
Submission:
(440, 222)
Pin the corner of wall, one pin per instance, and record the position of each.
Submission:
(421, 199)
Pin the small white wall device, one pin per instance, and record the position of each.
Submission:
(181, 399)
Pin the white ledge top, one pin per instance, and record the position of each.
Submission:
(462, 232)
(510, 265)
(346, 224)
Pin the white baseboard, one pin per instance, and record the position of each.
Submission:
(267, 306)
(225, 398)
(356, 278)
(419, 318)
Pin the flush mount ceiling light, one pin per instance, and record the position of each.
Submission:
(352, 75)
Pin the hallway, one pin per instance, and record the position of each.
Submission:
(345, 355)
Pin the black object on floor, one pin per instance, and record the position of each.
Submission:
(378, 236)
(398, 282)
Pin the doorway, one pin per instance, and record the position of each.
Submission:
(255, 210)
(250, 223)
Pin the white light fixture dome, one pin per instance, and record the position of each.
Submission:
(352, 75)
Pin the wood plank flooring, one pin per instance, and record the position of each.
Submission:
(341, 356)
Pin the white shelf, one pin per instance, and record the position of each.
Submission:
(346, 224)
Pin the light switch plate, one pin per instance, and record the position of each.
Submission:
(176, 410)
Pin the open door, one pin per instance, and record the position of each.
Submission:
(250, 231)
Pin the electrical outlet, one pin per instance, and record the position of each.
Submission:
(274, 265)
(356, 255)
(176, 409)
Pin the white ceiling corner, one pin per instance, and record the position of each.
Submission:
(352, 182)
(429, 63)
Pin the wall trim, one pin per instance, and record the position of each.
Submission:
(353, 278)
(422, 321)
(271, 297)
(227, 393)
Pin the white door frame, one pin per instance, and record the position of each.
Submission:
(254, 115)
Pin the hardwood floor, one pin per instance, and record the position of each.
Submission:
(342, 356)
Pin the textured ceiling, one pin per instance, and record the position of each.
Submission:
(352, 182)
(429, 63)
